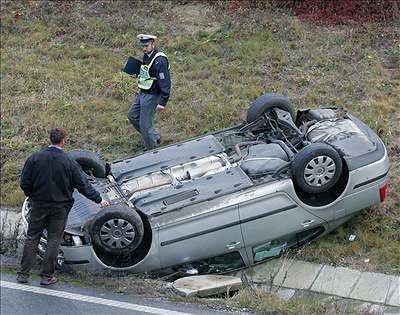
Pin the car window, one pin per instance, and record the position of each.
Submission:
(276, 247)
(273, 248)
(218, 264)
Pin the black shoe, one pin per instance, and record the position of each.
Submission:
(22, 278)
(48, 280)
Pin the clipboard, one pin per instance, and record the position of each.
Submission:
(132, 66)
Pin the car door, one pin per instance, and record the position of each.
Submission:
(202, 236)
(270, 218)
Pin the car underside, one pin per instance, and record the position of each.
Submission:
(280, 177)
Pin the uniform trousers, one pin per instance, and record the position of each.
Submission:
(141, 115)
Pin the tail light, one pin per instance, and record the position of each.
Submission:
(383, 192)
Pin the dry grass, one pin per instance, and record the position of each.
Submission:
(9, 234)
(61, 61)
(270, 303)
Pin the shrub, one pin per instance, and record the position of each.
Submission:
(322, 11)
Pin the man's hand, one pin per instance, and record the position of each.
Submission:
(104, 203)
(134, 76)
(160, 107)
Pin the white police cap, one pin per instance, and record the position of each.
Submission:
(146, 37)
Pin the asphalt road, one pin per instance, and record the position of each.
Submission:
(64, 299)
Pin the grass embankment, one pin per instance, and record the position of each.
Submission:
(60, 65)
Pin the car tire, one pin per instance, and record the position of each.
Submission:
(267, 102)
(317, 168)
(90, 162)
(117, 230)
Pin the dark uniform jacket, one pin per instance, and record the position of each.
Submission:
(159, 70)
(49, 178)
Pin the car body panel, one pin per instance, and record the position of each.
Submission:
(196, 191)
(262, 219)
(166, 157)
(220, 228)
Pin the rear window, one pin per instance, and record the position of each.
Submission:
(276, 247)
(218, 264)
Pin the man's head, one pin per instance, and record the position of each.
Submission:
(57, 136)
(147, 42)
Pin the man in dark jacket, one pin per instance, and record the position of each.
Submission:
(49, 178)
(154, 84)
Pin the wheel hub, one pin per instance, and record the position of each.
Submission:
(117, 233)
(319, 171)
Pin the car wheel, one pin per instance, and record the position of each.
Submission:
(267, 102)
(117, 230)
(317, 168)
(90, 162)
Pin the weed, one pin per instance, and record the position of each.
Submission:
(270, 303)
(9, 234)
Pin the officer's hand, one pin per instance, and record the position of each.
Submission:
(160, 107)
(104, 203)
(134, 76)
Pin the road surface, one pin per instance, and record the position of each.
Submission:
(65, 299)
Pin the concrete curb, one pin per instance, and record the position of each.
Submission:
(369, 287)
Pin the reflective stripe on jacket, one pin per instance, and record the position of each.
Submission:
(145, 80)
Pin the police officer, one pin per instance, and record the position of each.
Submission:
(154, 84)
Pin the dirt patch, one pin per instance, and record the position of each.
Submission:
(194, 18)
(132, 284)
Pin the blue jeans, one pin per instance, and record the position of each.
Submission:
(141, 115)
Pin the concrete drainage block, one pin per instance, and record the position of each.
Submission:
(206, 285)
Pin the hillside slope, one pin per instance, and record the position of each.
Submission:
(61, 62)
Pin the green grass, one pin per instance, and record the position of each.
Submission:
(61, 62)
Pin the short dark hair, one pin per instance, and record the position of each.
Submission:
(56, 135)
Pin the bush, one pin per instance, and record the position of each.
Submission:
(330, 12)
(342, 11)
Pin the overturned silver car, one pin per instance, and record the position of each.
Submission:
(229, 199)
